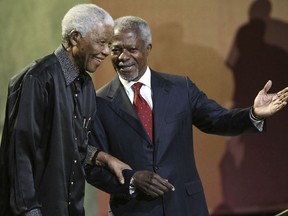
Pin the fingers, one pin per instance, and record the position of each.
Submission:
(117, 166)
(126, 166)
(281, 98)
(151, 183)
(169, 185)
(160, 185)
(266, 105)
(283, 93)
(120, 176)
(281, 101)
(267, 86)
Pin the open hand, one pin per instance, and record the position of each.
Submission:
(266, 104)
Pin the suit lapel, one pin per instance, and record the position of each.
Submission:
(160, 88)
(121, 105)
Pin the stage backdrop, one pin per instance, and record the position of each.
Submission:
(229, 48)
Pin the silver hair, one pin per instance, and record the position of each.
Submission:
(82, 18)
(135, 23)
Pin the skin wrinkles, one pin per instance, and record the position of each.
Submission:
(129, 54)
(90, 50)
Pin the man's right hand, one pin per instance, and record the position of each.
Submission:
(113, 164)
(151, 183)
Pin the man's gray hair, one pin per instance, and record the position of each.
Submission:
(82, 18)
(135, 23)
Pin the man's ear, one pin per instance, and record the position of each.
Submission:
(149, 48)
(74, 37)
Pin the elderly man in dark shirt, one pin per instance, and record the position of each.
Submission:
(49, 110)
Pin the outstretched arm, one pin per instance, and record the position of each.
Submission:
(266, 104)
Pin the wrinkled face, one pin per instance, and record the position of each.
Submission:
(90, 50)
(129, 54)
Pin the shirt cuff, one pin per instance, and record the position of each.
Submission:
(132, 187)
(258, 123)
(33, 212)
(91, 150)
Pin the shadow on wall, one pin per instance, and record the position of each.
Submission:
(203, 65)
(254, 168)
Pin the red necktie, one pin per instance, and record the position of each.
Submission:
(143, 109)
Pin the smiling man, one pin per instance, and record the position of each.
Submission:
(50, 107)
(145, 119)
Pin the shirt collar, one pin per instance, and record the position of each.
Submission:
(69, 70)
(145, 79)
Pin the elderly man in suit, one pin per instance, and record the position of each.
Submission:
(151, 129)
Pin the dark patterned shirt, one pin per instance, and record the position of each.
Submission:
(49, 111)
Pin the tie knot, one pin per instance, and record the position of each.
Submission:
(136, 86)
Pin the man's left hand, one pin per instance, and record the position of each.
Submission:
(266, 104)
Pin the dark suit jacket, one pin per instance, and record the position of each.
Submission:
(177, 105)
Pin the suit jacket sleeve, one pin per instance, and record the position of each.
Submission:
(212, 118)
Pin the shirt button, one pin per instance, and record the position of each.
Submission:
(72, 183)
(75, 161)
(69, 203)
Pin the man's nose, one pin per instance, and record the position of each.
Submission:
(106, 49)
(124, 55)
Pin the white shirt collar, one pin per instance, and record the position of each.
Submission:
(145, 79)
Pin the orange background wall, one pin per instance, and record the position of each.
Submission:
(217, 45)
(197, 38)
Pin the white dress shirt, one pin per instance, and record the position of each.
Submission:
(145, 90)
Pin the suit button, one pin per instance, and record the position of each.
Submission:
(156, 168)
(149, 146)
